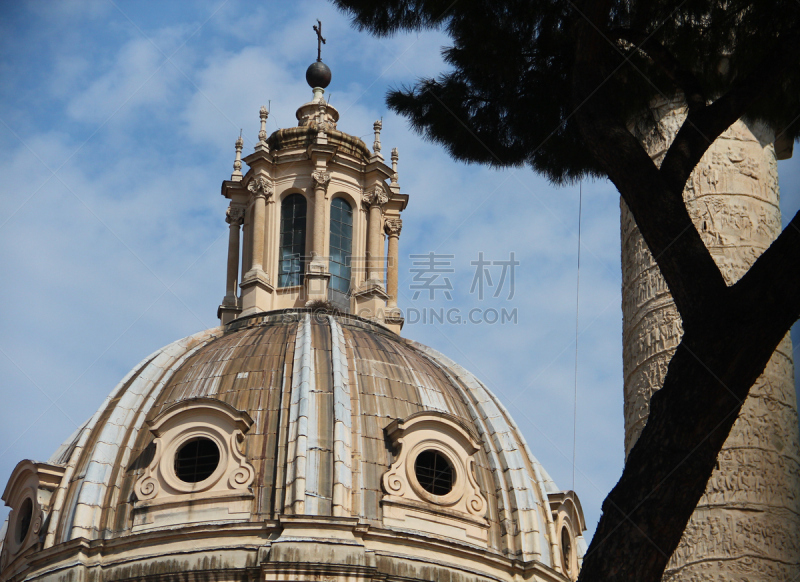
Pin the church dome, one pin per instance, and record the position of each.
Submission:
(297, 437)
(302, 440)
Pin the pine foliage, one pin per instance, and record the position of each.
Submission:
(506, 98)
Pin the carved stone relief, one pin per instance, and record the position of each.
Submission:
(723, 535)
(743, 569)
(747, 522)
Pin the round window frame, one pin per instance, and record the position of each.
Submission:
(185, 444)
(571, 566)
(21, 539)
(456, 493)
(167, 462)
(14, 545)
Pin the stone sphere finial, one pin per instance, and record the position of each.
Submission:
(318, 74)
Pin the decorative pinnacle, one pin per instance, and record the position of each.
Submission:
(262, 134)
(376, 127)
(322, 124)
(263, 114)
(395, 158)
(237, 164)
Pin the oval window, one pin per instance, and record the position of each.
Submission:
(196, 460)
(24, 519)
(434, 472)
(566, 551)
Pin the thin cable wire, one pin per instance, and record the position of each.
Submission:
(577, 312)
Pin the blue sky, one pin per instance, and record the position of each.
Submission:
(117, 124)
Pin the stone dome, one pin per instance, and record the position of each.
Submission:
(317, 420)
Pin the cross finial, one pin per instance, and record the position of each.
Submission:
(320, 41)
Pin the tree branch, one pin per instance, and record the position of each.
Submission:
(659, 211)
(706, 124)
(771, 287)
(683, 78)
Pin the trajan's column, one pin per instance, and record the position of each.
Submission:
(747, 524)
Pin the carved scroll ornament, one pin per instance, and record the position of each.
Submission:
(375, 196)
(439, 432)
(321, 179)
(234, 215)
(261, 186)
(393, 226)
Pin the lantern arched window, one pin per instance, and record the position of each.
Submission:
(341, 245)
(291, 265)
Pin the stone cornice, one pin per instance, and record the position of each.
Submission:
(380, 169)
(401, 198)
(232, 187)
(321, 151)
(258, 156)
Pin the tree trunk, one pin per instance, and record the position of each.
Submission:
(747, 524)
(730, 332)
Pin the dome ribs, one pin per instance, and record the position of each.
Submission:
(319, 472)
(369, 375)
(356, 443)
(280, 494)
(321, 389)
(267, 419)
(110, 442)
(298, 427)
(531, 522)
(343, 424)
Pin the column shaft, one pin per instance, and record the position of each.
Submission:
(374, 243)
(270, 253)
(258, 232)
(233, 263)
(391, 269)
(318, 239)
(733, 198)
